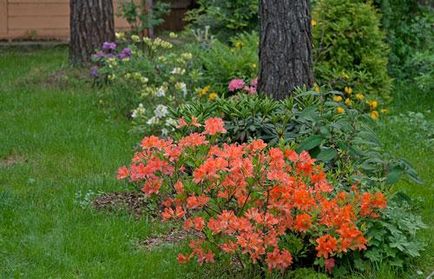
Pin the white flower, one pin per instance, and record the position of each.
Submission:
(182, 87)
(164, 132)
(138, 111)
(170, 122)
(173, 35)
(152, 121)
(161, 92)
(161, 111)
(178, 71)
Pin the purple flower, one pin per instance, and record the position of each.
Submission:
(125, 53)
(109, 46)
(94, 72)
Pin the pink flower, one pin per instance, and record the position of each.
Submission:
(250, 90)
(254, 82)
(236, 84)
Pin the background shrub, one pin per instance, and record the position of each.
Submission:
(225, 18)
(349, 47)
(222, 62)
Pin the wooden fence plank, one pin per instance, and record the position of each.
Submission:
(3, 17)
(35, 23)
(40, 9)
(38, 1)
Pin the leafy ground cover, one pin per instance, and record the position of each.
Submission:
(58, 151)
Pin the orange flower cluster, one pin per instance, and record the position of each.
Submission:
(249, 198)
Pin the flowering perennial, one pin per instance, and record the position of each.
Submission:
(244, 200)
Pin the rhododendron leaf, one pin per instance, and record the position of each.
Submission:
(394, 175)
(310, 143)
(327, 154)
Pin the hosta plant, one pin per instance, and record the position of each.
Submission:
(252, 205)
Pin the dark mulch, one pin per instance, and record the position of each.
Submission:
(133, 202)
(174, 236)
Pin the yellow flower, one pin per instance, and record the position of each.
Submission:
(348, 102)
(238, 44)
(373, 104)
(385, 111)
(173, 35)
(337, 99)
(313, 22)
(213, 96)
(316, 88)
(254, 66)
(340, 110)
(348, 90)
(135, 38)
(360, 96)
(120, 36)
(374, 115)
(203, 91)
(345, 75)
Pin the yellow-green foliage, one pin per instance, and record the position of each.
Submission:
(349, 47)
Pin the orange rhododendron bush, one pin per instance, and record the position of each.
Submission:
(248, 202)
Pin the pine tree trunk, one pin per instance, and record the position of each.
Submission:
(285, 47)
(92, 24)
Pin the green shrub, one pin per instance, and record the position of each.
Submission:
(349, 47)
(409, 29)
(139, 18)
(225, 18)
(221, 62)
(393, 239)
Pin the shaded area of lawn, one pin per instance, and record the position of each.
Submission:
(56, 143)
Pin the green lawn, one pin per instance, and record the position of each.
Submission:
(55, 142)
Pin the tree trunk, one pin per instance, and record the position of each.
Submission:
(92, 24)
(285, 47)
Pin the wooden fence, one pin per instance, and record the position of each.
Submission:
(49, 19)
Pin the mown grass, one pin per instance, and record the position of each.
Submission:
(55, 142)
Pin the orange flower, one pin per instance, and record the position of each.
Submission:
(179, 187)
(123, 173)
(152, 186)
(257, 145)
(326, 245)
(229, 247)
(198, 223)
(192, 140)
(214, 126)
(278, 260)
(303, 222)
(197, 202)
(183, 259)
(153, 142)
(370, 203)
(351, 238)
(181, 123)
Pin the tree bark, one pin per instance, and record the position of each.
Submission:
(285, 47)
(91, 24)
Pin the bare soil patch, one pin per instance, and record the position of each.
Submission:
(133, 202)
